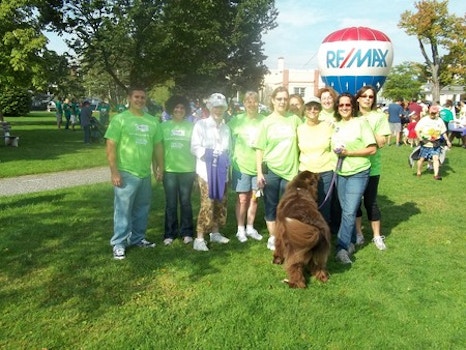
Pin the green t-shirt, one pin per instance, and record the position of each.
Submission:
(380, 126)
(136, 137)
(446, 115)
(278, 140)
(176, 138)
(354, 135)
(245, 131)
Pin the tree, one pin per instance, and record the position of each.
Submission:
(404, 80)
(22, 42)
(200, 45)
(434, 28)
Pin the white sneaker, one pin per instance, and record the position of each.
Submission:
(218, 238)
(351, 249)
(254, 234)
(343, 257)
(200, 245)
(241, 235)
(187, 239)
(379, 243)
(359, 238)
(271, 243)
(167, 241)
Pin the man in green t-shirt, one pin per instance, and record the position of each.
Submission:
(133, 146)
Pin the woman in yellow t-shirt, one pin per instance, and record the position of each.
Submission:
(316, 155)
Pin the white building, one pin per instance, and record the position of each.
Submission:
(305, 82)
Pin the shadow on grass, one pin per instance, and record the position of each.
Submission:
(57, 250)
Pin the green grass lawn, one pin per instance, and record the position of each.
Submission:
(61, 289)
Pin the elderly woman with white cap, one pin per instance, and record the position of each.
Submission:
(210, 144)
(316, 154)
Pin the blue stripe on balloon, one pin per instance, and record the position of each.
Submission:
(352, 84)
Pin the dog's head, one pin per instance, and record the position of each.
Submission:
(305, 181)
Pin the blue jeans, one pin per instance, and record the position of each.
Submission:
(273, 190)
(350, 190)
(178, 186)
(87, 133)
(132, 203)
(323, 187)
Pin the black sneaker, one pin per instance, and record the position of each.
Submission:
(118, 253)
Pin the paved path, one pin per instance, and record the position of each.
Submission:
(52, 181)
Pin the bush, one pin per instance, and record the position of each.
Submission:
(15, 101)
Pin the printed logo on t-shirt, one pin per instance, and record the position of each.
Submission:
(142, 127)
(178, 132)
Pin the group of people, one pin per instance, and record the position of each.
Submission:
(76, 113)
(336, 136)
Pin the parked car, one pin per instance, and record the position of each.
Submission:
(51, 107)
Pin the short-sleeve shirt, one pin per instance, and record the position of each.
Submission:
(135, 137)
(379, 125)
(176, 138)
(314, 143)
(429, 129)
(394, 112)
(353, 134)
(279, 142)
(245, 131)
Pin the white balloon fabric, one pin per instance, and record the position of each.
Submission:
(351, 58)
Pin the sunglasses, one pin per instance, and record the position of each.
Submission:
(344, 105)
(367, 96)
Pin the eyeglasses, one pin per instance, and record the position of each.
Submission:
(367, 96)
(344, 105)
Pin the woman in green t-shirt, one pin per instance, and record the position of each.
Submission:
(353, 140)
(276, 156)
(179, 171)
(366, 98)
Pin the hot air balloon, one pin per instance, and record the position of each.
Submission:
(353, 57)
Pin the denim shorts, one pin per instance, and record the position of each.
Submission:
(243, 183)
(428, 152)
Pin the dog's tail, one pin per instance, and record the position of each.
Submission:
(303, 235)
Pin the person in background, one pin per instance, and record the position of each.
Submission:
(276, 156)
(134, 145)
(210, 144)
(353, 141)
(316, 154)
(75, 113)
(85, 119)
(244, 129)
(59, 111)
(415, 107)
(104, 112)
(447, 115)
(179, 172)
(296, 105)
(412, 136)
(327, 97)
(366, 99)
(67, 112)
(430, 130)
(395, 113)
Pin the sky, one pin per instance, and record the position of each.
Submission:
(303, 24)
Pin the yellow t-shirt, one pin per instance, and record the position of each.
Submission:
(314, 142)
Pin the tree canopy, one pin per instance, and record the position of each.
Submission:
(435, 28)
(200, 45)
(404, 80)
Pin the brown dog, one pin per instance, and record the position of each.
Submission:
(302, 236)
